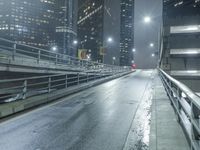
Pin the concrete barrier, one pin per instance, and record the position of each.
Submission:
(8, 109)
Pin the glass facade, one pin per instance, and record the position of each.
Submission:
(35, 22)
(127, 32)
(90, 27)
(65, 29)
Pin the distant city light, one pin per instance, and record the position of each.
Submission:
(75, 42)
(54, 48)
(110, 39)
(147, 19)
(153, 55)
(151, 44)
(114, 58)
(88, 57)
(134, 50)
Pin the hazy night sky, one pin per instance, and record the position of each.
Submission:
(147, 33)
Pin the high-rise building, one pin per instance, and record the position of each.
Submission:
(37, 22)
(127, 32)
(181, 35)
(66, 26)
(97, 21)
(90, 27)
(28, 22)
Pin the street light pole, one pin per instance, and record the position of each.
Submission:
(147, 20)
(114, 58)
(108, 41)
(133, 50)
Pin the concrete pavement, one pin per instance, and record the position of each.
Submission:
(112, 116)
(166, 133)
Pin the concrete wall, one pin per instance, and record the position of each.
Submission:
(180, 41)
(31, 102)
(192, 83)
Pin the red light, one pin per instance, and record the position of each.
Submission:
(133, 66)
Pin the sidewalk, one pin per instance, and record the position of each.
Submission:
(165, 133)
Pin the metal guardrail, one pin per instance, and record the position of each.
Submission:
(20, 89)
(187, 107)
(29, 52)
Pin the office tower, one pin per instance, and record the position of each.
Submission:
(90, 27)
(40, 23)
(66, 26)
(127, 32)
(28, 22)
(97, 21)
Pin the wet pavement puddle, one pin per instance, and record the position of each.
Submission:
(138, 138)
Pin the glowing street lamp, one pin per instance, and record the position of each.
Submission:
(75, 42)
(54, 48)
(107, 43)
(110, 40)
(151, 44)
(114, 58)
(147, 19)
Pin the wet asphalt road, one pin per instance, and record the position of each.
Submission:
(95, 119)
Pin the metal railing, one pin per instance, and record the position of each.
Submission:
(15, 50)
(187, 107)
(20, 89)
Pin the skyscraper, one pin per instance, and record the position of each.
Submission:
(98, 20)
(90, 27)
(126, 32)
(40, 23)
(65, 29)
(28, 22)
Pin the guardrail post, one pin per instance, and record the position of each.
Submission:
(79, 63)
(49, 84)
(196, 117)
(82, 63)
(69, 61)
(56, 59)
(39, 55)
(78, 78)
(169, 89)
(66, 81)
(24, 89)
(14, 51)
(96, 77)
(178, 103)
(87, 76)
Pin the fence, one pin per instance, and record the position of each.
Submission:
(187, 107)
(18, 89)
(15, 50)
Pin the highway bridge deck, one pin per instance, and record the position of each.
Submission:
(112, 116)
